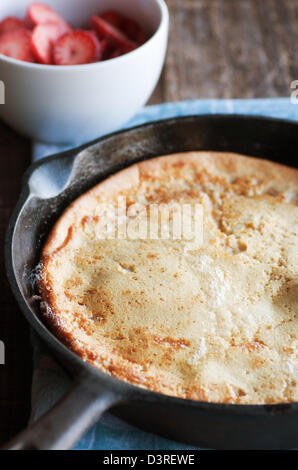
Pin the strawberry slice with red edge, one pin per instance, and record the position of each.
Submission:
(128, 26)
(133, 31)
(131, 28)
(16, 44)
(9, 24)
(113, 17)
(75, 48)
(39, 13)
(100, 46)
(106, 49)
(43, 38)
(112, 35)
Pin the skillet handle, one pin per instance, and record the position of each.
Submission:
(62, 426)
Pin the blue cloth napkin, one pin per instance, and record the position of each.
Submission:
(49, 381)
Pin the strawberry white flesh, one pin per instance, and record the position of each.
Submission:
(99, 45)
(10, 24)
(39, 13)
(16, 44)
(75, 48)
(43, 38)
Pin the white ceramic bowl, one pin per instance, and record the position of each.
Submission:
(69, 104)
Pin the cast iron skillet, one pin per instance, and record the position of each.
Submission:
(49, 187)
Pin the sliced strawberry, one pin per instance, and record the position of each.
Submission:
(43, 38)
(112, 35)
(104, 46)
(10, 24)
(100, 46)
(141, 38)
(116, 53)
(130, 28)
(16, 44)
(113, 17)
(133, 31)
(39, 13)
(107, 49)
(77, 47)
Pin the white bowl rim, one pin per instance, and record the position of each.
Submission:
(164, 19)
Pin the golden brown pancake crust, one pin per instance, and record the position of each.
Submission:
(215, 321)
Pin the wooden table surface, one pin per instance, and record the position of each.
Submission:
(217, 49)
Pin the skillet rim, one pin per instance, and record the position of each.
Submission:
(73, 361)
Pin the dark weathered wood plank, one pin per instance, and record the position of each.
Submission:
(230, 49)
